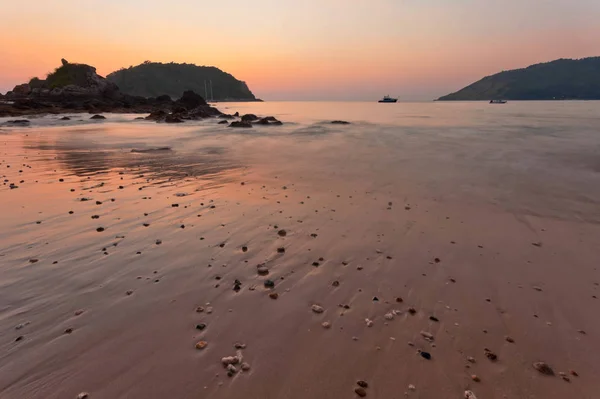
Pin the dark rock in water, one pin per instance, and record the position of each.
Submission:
(191, 100)
(237, 114)
(425, 355)
(163, 99)
(65, 118)
(173, 119)
(139, 118)
(223, 122)
(249, 118)
(240, 124)
(226, 116)
(98, 117)
(543, 368)
(269, 120)
(19, 122)
(340, 123)
(158, 115)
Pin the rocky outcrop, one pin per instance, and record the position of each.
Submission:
(249, 118)
(240, 124)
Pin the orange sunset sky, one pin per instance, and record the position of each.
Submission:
(302, 50)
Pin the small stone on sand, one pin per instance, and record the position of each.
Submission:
(83, 395)
(362, 384)
(282, 233)
(543, 368)
(326, 324)
(470, 395)
(361, 392)
(412, 311)
(245, 367)
(262, 271)
(201, 345)
(369, 322)
(317, 309)
(389, 316)
(273, 295)
(475, 378)
(509, 339)
(490, 355)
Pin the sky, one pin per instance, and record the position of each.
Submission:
(302, 49)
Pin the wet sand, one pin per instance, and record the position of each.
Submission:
(412, 239)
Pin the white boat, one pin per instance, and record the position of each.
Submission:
(388, 99)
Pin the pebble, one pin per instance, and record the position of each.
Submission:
(411, 387)
(282, 233)
(475, 378)
(490, 355)
(269, 284)
(239, 345)
(262, 270)
(201, 345)
(362, 384)
(509, 339)
(200, 326)
(433, 318)
(361, 392)
(317, 309)
(399, 300)
(425, 355)
(199, 309)
(543, 368)
(412, 311)
(281, 250)
(129, 292)
(326, 325)
(83, 395)
(470, 359)
(19, 338)
(470, 395)
(389, 316)
(428, 336)
(375, 299)
(369, 322)
(231, 370)
(273, 295)
(335, 283)
(245, 367)
(230, 360)
(68, 331)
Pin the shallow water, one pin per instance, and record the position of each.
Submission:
(472, 183)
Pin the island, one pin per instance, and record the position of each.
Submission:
(563, 79)
(151, 79)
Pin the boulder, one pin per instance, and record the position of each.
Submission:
(98, 117)
(21, 90)
(157, 116)
(223, 122)
(163, 99)
(240, 124)
(65, 118)
(190, 100)
(18, 122)
(340, 123)
(173, 118)
(249, 118)
(269, 120)
(237, 114)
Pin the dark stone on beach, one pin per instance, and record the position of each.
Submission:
(19, 338)
(340, 123)
(509, 339)
(399, 300)
(425, 355)
(269, 120)
(223, 122)
(273, 295)
(240, 124)
(244, 249)
(335, 283)
(65, 118)
(282, 233)
(490, 355)
(412, 311)
(362, 384)
(543, 368)
(281, 250)
(262, 270)
(226, 116)
(98, 117)
(68, 331)
(433, 318)
(236, 114)
(360, 392)
(100, 229)
(375, 299)
(237, 285)
(316, 264)
(249, 118)
(269, 284)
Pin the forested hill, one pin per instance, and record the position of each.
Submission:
(152, 79)
(562, 79)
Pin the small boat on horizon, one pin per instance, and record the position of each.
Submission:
(498, 101)
(388, 99)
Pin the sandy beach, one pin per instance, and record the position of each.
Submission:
(429, 240)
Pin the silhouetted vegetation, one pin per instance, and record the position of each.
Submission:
(562, 79)
(152, 79)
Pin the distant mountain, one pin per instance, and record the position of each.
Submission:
(562, 79)
(152, 79)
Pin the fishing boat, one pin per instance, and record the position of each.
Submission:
(497, 101)
(388, 99)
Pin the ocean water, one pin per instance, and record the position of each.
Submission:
(532, 157)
